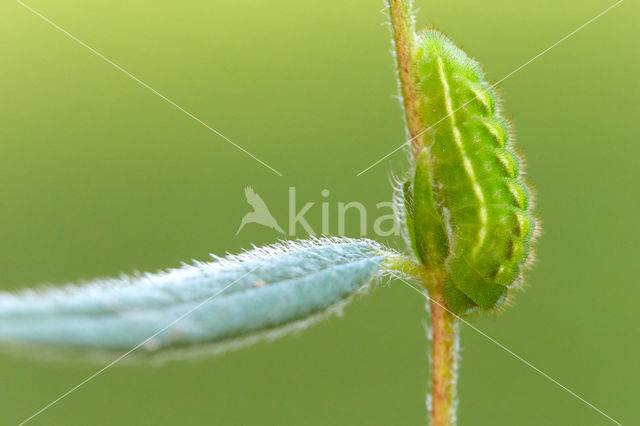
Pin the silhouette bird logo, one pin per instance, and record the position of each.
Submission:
(260, 213)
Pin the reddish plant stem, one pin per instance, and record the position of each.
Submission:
(443, 362)
(444, 337)
(402, 26)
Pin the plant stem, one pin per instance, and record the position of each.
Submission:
(403, 28)
(444, 343)
(444, 340)
(444, 347)
(410, 267)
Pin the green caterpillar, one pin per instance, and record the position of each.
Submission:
(467, 208)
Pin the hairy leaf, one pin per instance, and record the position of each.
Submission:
(228, 302)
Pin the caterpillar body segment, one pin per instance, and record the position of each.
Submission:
(470, 178)
(427, 231)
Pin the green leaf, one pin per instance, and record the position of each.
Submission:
(431, 238)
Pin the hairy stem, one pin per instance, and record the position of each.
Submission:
(403, 28)
(407, 266)
(444, 339)
(444, 346)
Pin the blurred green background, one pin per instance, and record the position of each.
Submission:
(100, 176)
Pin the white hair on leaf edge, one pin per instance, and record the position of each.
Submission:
(303, 281)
